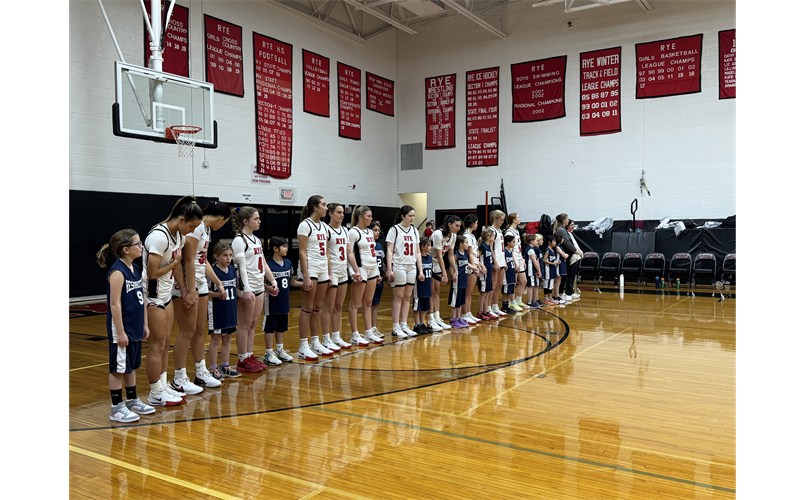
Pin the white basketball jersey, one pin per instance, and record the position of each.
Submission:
(316, 240)
(405, 242)
(337, 242)
(252, 249)
(438, 242)
(473, 244)
(161, 244)
(518, 249)
(497, 247)
(365, 238)
(204, 235)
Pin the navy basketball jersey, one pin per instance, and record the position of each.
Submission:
(423, 289)
(381, 256)
(530, 268)
(511, 274)
(281, 304)
(223, 313)
(486, 254)
(462, 261)
(131, 303)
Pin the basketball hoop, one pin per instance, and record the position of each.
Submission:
(185, 137)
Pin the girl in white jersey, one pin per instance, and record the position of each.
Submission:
(362, 241)
(314, 271)
(192, 317)
(498, 262)
(470, 225)
(442, 242)
(519, 262)
(404, 267)
(161, 261)
(341, 258)
(253, 274)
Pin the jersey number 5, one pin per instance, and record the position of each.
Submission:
(321, 248)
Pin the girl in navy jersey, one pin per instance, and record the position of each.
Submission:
(510, 274)
(551, 273)
(162, 253)
(125, 324)
(314, 271)
(277, 308)
(362, 241)
(380, 252)
(533, 271)
(459, 284)
(191, 317)
(423, 290)
(341, 259)
(403, 268)
(519, 263)
(485, 280)
(222, 311)
(247, 249)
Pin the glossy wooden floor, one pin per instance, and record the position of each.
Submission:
(613, 397)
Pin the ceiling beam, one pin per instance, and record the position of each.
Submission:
(316, 20)
(644, 5)
(369, 5)
(380, 16)
(477, 20)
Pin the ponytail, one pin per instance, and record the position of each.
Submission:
(559, 218)
(357, 213)
(310, 207)
(449, 219)
(186, 207)
(120, 240)
(239, 216)
(495, 215)
(217, 209)
(404, 210)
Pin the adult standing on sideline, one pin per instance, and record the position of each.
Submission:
(575, 260)
(560, 229)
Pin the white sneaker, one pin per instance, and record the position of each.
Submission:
(271, 358)
(121, 413)
(163, 398)
(205, 379)
(378, 333)
(576, 295)
(397, 332)
(492, 312)
(306, 353)
(477, 320)
(370, 336)
(340, 342)
(283, 355)
(319, 349)
(407, 331)
(444, 325)
(357, 339)
(498, 311)
(566, 297)
(469, 319)
(183, 384)
(435, 326)
(329, 344)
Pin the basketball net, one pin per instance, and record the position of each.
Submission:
(185, 137)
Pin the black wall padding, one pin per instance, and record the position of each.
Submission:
(719, 242)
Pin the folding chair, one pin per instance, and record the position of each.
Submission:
(653, 266)
(681, 264)
(728, 268)
(632, 266)
(610, 264)
(705, 265)
(588, 266)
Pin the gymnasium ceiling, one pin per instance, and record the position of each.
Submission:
(361, 20)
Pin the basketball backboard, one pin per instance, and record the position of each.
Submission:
(147, 101)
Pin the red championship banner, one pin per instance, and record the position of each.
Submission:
(601, 92)
(726, 62)
(349, 102)
(482, 117)
(379, 94)
(440, 112)
(224, 55)
(316, 90)
(669, 67)
(273, 62)
(176, 54)
(538, 90)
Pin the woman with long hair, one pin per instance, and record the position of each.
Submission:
(498, 262)
(519, 262)
(442, 241)
(341, 258)
(192, 318)
(470, 225)
(314, 271)
(362, 241)
(404, 267)
(162, 253)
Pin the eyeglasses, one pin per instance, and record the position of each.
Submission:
(138, 244)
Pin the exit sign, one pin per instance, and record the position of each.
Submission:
(287, 195)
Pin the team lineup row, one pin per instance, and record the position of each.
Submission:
(220, 299)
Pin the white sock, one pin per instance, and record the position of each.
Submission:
(395, 326)
(177, 374)
(326, 337)
(156, 386)
(163, 377)
(430, 317)
(278, 348)
(368, 332)
(241, 357)
(201, 366)
(356, 334)
(335, 335)
(314, 339)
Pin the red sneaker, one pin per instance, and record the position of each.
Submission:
(258, 363)
(246, 366)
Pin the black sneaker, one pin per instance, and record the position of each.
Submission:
(419, 329)
(426, 328)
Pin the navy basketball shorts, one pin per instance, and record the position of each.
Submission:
(125, 359)
(224, 331)
(508, 289)
(532, 281)
(422, 304)
(457, 297)
(275, 323)
(378, 294)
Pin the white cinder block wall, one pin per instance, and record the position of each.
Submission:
(322, 163)
(685, 144)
